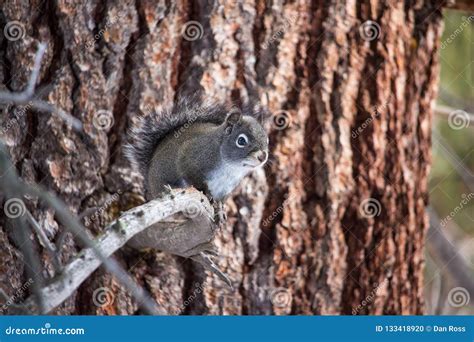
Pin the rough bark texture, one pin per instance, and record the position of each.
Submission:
(296, 241)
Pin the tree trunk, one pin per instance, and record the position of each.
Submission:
(335, 224)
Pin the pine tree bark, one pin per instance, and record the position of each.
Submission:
(336, 222)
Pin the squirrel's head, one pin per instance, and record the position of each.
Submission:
(245, 141)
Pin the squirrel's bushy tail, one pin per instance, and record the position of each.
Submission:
(151, 129)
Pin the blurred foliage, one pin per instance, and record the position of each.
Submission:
(456, 91)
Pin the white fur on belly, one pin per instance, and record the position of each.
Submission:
(225, 178)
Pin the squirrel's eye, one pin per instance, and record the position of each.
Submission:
(242, 140)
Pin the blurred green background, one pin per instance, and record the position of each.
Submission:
(452, 173)
(456, 91)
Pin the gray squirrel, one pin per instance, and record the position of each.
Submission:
(198, 143)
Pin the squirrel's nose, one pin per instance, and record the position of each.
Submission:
(262, 156)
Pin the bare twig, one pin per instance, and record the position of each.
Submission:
(453, 100)
(36, 69)
(50, 247)
(28, 97)
(40, 233)
(15, 187)
(446, 111)
(116, 235)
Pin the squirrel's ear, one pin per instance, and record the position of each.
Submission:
(233, 118)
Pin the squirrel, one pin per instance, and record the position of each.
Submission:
(198, 143)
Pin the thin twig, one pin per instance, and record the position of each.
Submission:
(36, 69)
(116, 235)
(40, 233)
(16, 188)
(50, 247)
(13, 189)
(446, 111)
(28, 97)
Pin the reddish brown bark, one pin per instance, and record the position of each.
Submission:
(296, 241)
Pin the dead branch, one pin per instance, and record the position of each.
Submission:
(117, 234)
(189, 235)
(447, 112)
(28, 95)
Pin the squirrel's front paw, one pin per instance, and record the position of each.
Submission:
(220, 215)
